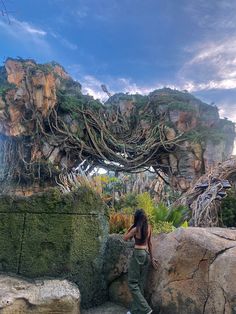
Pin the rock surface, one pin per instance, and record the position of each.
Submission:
(196, 273)
(106, 308)
(19, 296)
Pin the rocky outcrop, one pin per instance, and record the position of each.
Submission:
(19, 296)
(116, 268)
(29, 88)
(48, 126)
(196, 271)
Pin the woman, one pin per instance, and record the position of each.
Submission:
(141, 232)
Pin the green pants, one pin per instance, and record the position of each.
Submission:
(137, 272)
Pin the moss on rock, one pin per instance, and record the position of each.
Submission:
(56, 235)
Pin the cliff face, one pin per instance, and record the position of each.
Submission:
(29, 87)
(206, 139)
(47, 126)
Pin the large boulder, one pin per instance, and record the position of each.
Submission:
(115, 269)
(196, 273)
(19, 296)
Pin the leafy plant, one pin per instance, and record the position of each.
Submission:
(185, 224)
(173, 215)
(163, 227)
(176, 215)
(160, 213)
(228, 209)
(119, 222)
(145, 202)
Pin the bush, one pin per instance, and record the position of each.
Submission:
(163, 227)
(119, 222)
(174, 215)
(228, 209)
(145, 202)
(162, 218)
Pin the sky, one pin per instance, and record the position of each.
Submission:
(131, 45)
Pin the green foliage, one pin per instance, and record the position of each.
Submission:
(113, 184)
(46, 68)
(180, 105)
(162, 218)
(228, 209)
(163, 227)
(68, 103)
(202, 134)
(71, 101)
(185, 224)
(127, 203)
(145, 202)
(4, 85)
(2, 90)
(160, 213)
(174, 215)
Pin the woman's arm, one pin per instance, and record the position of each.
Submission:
(130, 233)
(153, 260)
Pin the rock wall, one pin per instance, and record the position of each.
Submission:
(196, 272)
(56, 235)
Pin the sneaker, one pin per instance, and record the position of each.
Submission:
(150, 312)
(128, 312)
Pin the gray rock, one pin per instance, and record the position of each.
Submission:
(196, 273)
(106, 308)
(117, 255)
(19, 296)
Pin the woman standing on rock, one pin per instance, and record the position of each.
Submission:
(138, 264)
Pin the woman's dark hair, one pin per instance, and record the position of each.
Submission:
(141, 223)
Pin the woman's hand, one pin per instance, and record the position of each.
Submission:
(155, 263)
(129, 234)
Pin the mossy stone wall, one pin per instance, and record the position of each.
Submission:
(56, 235)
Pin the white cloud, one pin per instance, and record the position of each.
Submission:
(65, 42)
(29, 28)
(22, 26)
(27, 34)
(212, 65)
(227, 110)
(212, 15)
(92, 86)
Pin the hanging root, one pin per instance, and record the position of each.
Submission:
(204, 197)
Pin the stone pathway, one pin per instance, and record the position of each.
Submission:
(106, 308)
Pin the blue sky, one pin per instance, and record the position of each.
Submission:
(131, 45)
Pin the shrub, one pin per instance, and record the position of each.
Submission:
(160, 212)
(228, 209)
(163, 227)
(119, 222)
(145, 202)
(127, 203)
(174, 215)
